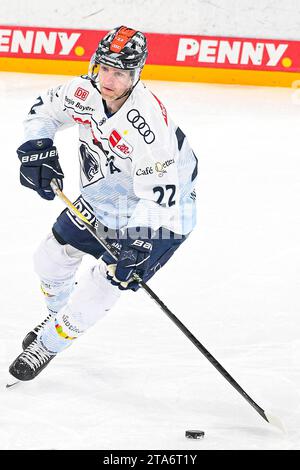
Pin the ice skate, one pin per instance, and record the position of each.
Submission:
(30, 362)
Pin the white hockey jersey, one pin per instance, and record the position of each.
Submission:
(136, 166)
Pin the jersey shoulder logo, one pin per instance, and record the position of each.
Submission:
(81, 93)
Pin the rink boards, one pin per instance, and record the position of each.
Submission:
(174, 57)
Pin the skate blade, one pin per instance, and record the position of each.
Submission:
(11, 382)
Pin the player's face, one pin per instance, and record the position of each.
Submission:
(113, 82)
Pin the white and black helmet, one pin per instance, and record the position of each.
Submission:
(123, 48)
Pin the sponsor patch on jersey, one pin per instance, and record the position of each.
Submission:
(119, 145)
(81, 93)
(160, 168)
(70, 103)
(139, 123)
(84, 122)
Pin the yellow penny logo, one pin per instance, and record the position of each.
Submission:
(79, 50)
(286, 62)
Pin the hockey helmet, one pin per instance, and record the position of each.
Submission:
(123, 48)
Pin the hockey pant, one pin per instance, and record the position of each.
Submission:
(74, 307)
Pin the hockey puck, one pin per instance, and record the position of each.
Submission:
(195, 434)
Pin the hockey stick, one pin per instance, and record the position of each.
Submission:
(114, 253)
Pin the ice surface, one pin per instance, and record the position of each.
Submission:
(134, 381)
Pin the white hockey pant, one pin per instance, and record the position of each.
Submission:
(75, 307)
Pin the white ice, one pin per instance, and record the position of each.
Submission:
(134, 381)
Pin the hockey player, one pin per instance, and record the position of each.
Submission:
(137, 179)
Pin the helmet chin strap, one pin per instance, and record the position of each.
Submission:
(128, 92)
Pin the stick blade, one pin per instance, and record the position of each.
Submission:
(275, 421)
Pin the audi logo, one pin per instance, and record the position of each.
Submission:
(140, 124)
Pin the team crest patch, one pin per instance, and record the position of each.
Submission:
(119, 145)
(90, 165)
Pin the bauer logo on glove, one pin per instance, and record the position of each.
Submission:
(133, 262)
(39, 165)
(39, 156)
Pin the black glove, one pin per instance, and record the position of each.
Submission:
(134, 258)
(39, 165)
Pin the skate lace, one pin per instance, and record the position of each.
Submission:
(43, 323)
(35, 355)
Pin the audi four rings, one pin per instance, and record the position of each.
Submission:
(140, 124)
